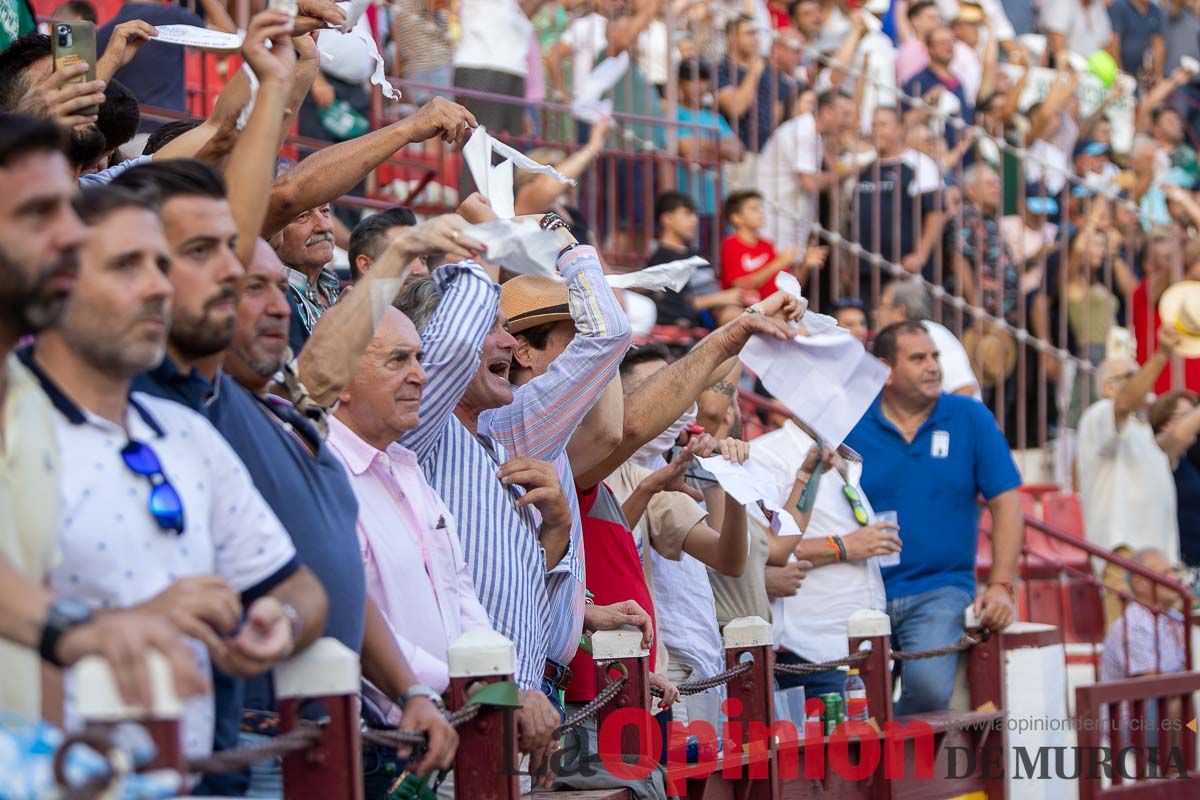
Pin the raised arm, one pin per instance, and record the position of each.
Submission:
(653, 404)
(1132, 394)
(330, 357)
(543, 191)
(545, 412)
(331, 172)
(252, 162)
(451, 344)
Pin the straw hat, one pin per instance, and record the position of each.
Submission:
(1180, 308)
(993, 353)
(969, 12)
(532, 300)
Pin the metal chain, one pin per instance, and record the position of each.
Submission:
(301, 738)
(704, 684)
(966, 643)
(387, 737)
(464, 715)
(825, 666)
(603, 698)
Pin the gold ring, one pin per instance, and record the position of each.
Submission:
(454, 235)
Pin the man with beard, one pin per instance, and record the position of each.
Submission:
(39, 240)
(282, 449)
(159, 513)
(299, 221)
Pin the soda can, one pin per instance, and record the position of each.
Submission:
(834, 712)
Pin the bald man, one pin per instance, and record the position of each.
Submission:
(1124, 477)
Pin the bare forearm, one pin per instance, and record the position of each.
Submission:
(734, 541)
(330, 173)
(1008, 531)
(330, 356)
(304, 593)
(251, 166)
(635, 506)
(816, 551)
(555, 539)
(1133, 393)
(217, 17)
(383, 662)
(23, 606)
(759, 278)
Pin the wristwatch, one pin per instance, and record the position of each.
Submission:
(63, 615)
(421, 690)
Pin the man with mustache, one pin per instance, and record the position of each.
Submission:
(299, 222)
(159, 513)
(40, 236)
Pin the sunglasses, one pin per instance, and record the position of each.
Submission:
(856, 506)
(165, 504)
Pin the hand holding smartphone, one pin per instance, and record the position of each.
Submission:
(75, 43)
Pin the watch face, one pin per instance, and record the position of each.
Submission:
(70, 612)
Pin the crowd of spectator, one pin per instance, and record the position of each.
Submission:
(220, 445)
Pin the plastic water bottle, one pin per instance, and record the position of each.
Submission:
(856, 697)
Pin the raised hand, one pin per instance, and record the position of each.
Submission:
(55, 99)
(127, 38)
(274, 64)
(440, 117)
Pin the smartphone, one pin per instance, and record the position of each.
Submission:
(290, 6)
(72, 43)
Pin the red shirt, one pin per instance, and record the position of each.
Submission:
(739, 259)
(1145, 330)
(613, 571)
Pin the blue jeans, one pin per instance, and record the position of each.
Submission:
(266, 777)
(923, 622)
(815, 685)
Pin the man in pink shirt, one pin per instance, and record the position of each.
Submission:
(414, 563)
(911, 55)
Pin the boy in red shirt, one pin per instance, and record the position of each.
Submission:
(748, 262)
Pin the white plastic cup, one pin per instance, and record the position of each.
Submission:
(891, 559)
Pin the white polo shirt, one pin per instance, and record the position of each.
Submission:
(113, 554)
(812, 622)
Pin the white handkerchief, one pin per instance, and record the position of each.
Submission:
(673, 275)
(354, 9)
(587, 105)
(520, 246)
(500, 189)
(751, 483)
(477, 153)
(528, 164)
(813, 322)
(194, 36)
(827, 380)
(244, 114)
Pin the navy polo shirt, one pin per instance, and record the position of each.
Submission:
(933, 484)
(311, 496)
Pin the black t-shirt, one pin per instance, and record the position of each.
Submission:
(674, 308)
(888, 218)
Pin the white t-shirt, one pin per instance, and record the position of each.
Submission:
(795, 148)
(1086, 28)
(115, 555)
(587, 37)
(495, 36)
(1047, 163)
(927, 178)
(812, 622)
(967, 66)
(956, 366)
(1126, 485)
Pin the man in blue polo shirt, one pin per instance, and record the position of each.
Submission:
(929, 455)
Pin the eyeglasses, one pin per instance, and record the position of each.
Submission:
(165, 504)
(856, 506)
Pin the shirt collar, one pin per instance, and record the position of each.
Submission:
(327, 281)
(940, 412)
(67, 407)
(199, 390)
(360, 455)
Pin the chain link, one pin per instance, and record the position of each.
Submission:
(704, 684)
(301, 738)
(603, 698)
(825, 666)
(966, 643)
